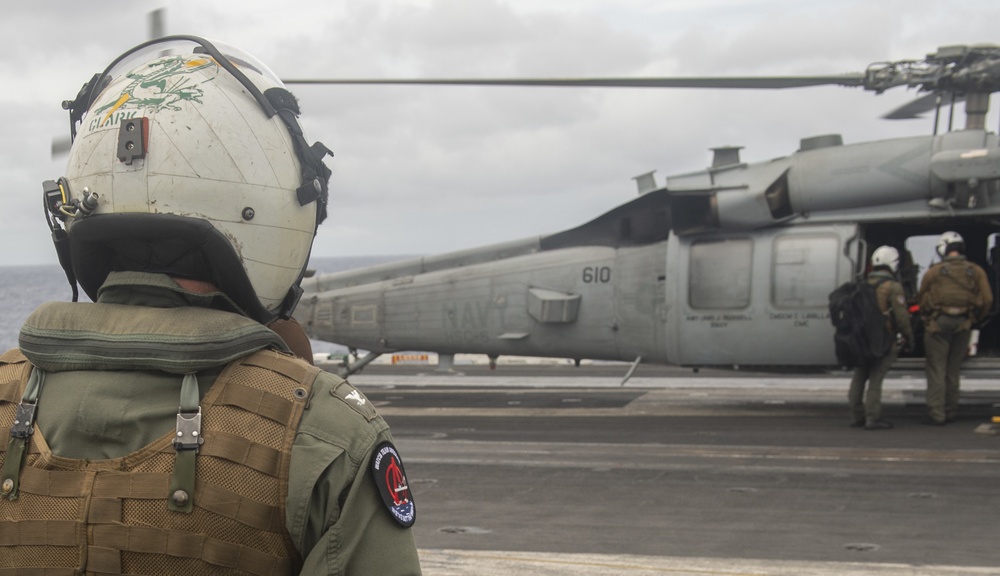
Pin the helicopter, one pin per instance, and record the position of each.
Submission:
(728, 266)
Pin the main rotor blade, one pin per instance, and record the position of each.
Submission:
(761, 82)
(60, 146)
(926, 103)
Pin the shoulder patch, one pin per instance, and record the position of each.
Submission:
(393, 487)
(355, 399)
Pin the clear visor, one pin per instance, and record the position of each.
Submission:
(171, 45)
(228, 57)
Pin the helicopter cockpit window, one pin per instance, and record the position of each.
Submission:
(719, 274)
(804, 271)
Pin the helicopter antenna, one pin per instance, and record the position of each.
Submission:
(157, 25)
(937, 112)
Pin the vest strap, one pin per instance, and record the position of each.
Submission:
(266, 404)
(39, 533)
(180, 496)
(8, 391)
(12, 356)
(186, 443)
(243, 451)
(105, 511)
(38, 571)
(142, 486)
(20, 434)
(150, 540)
(104, 560)
(56, 483)
(215, 499)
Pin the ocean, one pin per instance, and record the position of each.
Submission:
(24, 288)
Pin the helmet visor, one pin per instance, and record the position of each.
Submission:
(228, 57)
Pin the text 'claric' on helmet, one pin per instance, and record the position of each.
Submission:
(188, 159)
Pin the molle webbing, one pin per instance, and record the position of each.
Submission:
(61, 336)
(111, 516)
(955, 286)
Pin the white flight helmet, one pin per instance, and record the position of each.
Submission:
(886, 256)
(188, 159)
(946, 240)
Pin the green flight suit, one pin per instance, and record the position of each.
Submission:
(954, 293)
(334, 512)
(866, 406)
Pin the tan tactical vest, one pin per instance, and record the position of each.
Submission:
(955, 289)
(111, 516)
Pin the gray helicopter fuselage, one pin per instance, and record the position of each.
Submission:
(732, 265)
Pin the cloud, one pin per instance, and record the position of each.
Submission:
(426, 170)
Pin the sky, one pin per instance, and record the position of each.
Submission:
(425, 170)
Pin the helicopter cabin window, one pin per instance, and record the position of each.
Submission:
(804, 271)
(719, 274)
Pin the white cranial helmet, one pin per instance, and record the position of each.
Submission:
(188, 159)
(946, 240)
(886, 256)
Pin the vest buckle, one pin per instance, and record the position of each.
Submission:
(188, 431)
(24, 420)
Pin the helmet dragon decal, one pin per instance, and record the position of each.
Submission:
(165, 85)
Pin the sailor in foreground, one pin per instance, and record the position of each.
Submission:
(163, 428)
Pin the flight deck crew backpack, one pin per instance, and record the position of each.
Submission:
(861, 336)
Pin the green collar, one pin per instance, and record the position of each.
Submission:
(158, 291)
(141, 322)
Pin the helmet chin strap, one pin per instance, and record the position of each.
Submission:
(291, 299)
(315, 180)
(60, 239)
(315, 174)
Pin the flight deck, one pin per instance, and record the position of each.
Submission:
(560, 470)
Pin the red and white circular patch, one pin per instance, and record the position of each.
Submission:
(393, 487)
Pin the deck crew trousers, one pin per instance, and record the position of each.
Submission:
(867, 404)
(945, 350)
